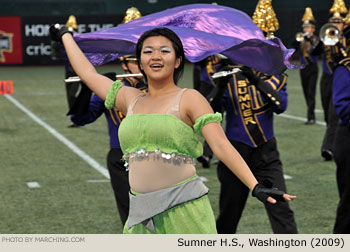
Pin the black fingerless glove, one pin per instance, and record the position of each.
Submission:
(248, 73)
(56, 32)
(263, 191)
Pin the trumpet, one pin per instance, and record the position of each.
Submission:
(330, 34)
(77, 79)
(300, 36)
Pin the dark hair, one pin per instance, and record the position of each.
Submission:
(176, 42)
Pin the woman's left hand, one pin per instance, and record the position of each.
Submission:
(285, 196)
(266, 193)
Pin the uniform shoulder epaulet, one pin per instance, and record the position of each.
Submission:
(345, 63)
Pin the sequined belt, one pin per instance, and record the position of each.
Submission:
(144, 207)
(142, 154)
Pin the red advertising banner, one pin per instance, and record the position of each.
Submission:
(6, 87)
(10, 40)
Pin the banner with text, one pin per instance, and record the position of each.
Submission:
(36, 40)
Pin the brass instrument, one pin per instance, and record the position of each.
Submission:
(329, 34)
(300, 36)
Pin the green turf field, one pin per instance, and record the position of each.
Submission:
(76, 198)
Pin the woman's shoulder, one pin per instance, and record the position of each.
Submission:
(195, 104)
(193, 95)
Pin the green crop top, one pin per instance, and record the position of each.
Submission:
(159, 132)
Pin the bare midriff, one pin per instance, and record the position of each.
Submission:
(154, 173)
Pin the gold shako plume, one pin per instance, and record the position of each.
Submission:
(72, 23)
(131, 14)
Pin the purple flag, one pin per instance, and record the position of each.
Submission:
(204, 30)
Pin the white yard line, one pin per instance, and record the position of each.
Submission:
(286, 177)
(94, 164)
(300, 119)
(33, 184)
(98, 181)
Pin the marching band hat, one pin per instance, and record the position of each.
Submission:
(72, 23)
(308, 18)
(265, 18)
(337, 12)
(336, 18)
(131, 14)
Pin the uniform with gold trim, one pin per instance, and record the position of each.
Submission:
(330, 54)
(341, 98)
(119, 176)
(250, 99)
(308, 75)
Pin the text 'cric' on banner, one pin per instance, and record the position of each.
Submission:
(6, 87)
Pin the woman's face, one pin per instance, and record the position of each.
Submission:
(158, 59)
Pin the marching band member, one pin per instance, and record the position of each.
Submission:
(329, 52)
(305, 43)
(250, 98)
(341, 100)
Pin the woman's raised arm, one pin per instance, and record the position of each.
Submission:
(98, 83)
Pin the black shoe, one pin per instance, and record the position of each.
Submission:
(205, 161)
(73, 125)
(327, 154)
(310, 122)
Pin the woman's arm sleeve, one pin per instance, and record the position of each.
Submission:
(205, 119)
(112, 93)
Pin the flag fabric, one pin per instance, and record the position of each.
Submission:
(204, 30)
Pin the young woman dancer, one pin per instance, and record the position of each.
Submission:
(159, 138)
